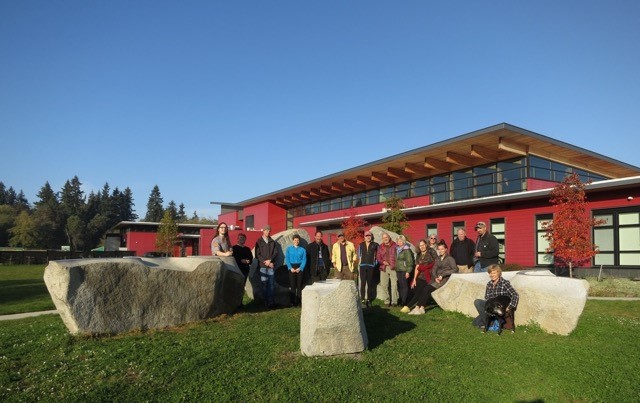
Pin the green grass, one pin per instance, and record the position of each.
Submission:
(254, 356)
(613, 287)
(22, 289)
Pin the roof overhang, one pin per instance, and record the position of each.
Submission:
(492, 144)
(612, 184)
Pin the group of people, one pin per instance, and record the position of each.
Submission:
(411, 278)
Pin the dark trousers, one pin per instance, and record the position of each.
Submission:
(403, 287)
(295, 287)
(319, 273)
(422, 294)
(366, 281)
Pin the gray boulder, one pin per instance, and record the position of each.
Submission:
(109, 296)
(554, 303)
(331, 321)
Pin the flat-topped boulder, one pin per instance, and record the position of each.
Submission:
(109, 296)
(553, 303)
(331, 321)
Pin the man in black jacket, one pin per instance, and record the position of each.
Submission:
(487, 248)
(266, 253)
(462, 250)
(319, 260)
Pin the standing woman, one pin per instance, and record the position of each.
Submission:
(221, 245)
(433, 242)
(425, 258)
(295, 258)
(404, 267)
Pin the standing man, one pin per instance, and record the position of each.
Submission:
(266, 253)
(487, 248)
(367, 255)
(344, 257)
(387, 261)
(462, 251)
(319, 259)
(243, 256)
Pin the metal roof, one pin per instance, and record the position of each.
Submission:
(492, 144)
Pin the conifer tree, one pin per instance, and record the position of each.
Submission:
(155, 210)
(167, 234)
(394, 219)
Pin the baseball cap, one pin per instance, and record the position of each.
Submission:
(481, 224)
(340, 234)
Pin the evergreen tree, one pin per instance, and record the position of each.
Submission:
(394, 219)
(3, 194)
(173, 210)
(47, 218)
(167, 234)
(10, 196)
(21, 201)
(73, 213)
(182, 216)
(124, 203)
(155, 211)
(7, 221)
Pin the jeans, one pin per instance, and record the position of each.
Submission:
(267, 279)
(387, 275)
(478, 268)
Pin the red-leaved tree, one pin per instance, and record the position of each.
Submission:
(569, 233)
(353, 228)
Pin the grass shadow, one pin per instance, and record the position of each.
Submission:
(382, 325)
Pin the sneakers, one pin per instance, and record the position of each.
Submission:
(405, 309)
(417, 311)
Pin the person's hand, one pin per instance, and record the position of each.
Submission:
(413, 284)
(509, 309)
(406, 275)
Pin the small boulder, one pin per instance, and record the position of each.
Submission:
(331, 321)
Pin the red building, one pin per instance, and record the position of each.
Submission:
(502, 175)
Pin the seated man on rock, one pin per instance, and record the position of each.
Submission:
(496, 287)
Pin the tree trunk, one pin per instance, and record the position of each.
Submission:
(570, 270)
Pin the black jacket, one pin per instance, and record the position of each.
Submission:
(489, 249)
(312, 256)
(462, 251)
(266, 251)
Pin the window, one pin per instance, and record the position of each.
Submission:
(511, 177)
(544, 257)
(483, 181)
(248, 222)
(440, 189)
(432, 229)
(402, 190)
(618, 239)
(498, 230)
(359, 199)
(346, 201)
(462, 185)
(373, 196)
(386, 193)
(456, 225)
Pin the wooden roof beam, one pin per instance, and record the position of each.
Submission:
(366, 181)
(417, 169)
(459, 159)
(315, 192)
(280, 200)
(305, 195)
(353, 184)
(512, 146)
(380, 177)
(296, 197)
(433, 163)
(485, 153)
(398, 173)
(337, 187)
(326, 190)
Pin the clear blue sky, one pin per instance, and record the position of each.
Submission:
(226, 101)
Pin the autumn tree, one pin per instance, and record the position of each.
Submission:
(394, 219)
(353, 228)
(167, 234)
(569, 233)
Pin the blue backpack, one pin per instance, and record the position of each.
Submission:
(494, 326)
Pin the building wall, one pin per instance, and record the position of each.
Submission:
(141, 242)
(267, 214)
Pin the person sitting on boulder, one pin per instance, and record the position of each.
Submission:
(442, 269)
(499, 286)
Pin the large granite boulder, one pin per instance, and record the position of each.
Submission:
(554, 303)
(331, 321)
(108, 296)
(281, 292)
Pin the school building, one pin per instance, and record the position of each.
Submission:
(502, 175)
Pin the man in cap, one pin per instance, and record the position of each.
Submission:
(487, 248)
(266, 253)
(367, 252)
(343, 257)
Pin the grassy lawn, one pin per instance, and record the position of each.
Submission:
(22, 289)
(254, 356)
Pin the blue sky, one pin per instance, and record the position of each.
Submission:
(230, 100)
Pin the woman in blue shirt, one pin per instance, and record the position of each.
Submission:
(295, 258)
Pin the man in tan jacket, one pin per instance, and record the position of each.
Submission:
(344, 258)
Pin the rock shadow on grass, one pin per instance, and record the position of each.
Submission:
(382, 325)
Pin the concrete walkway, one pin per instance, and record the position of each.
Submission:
(32, 314)
(26, 315)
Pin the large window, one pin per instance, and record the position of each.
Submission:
(439, 189)
(618, 239)
(543, 255)
(462, 184)
(484, 182)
